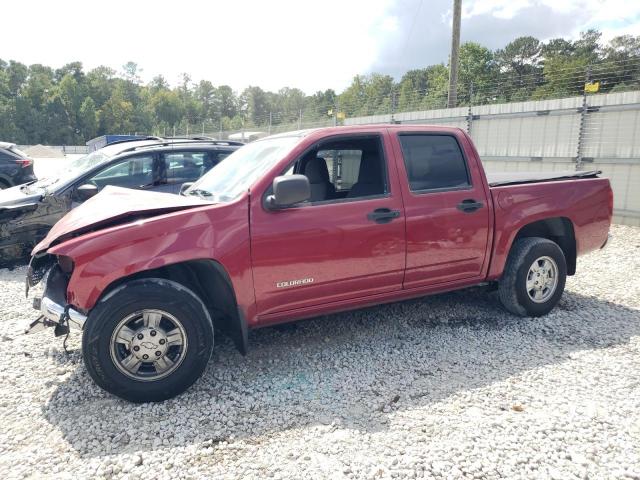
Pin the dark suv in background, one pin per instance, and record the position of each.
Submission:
(15, 167)
(29, 211)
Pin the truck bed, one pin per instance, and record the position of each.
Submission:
(514, 178)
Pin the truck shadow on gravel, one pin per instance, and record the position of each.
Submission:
(352, 370)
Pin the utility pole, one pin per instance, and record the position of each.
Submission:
(455, 50)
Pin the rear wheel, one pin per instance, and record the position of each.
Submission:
(4, 184)
(148, 340)
(534, 277)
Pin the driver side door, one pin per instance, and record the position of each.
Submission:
(337, 247)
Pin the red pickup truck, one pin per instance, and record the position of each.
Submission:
(299, 225)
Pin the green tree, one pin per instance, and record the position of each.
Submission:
(477, 70)
(116, 115)
(437, 87)
(412, 89)
(520, 67)
(168, 107)
(255, 106)
(88, 118)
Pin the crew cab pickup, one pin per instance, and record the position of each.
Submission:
(299, 225)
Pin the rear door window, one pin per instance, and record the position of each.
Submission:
(434, 162)
(18, 152)
(5, 156)
(185, 166)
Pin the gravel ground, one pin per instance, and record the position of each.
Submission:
(444, 387)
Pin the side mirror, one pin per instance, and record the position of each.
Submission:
(86, 191)
(289, 190)
(184, 187)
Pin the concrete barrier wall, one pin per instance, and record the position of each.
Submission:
(552, 135)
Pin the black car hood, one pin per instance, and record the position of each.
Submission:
(14, 197)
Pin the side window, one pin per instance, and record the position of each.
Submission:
(217, 157)
(345, 169)
(184, 166)
(132, 172)
(433, 162)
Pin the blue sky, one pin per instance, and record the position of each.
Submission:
(311, 45)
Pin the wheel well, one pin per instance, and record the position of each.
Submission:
(210, 281)
(558, 230)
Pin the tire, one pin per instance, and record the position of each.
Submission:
(4, 184)
(142, 307)
(513, 290)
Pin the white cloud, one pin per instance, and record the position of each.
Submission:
(272, 44)
(498, 8)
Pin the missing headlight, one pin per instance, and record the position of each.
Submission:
(66, 264)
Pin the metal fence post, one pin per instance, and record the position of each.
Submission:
(393, 106)
(470, 113)
(584, 110)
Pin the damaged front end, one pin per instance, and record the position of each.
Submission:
(24, 222)
(54, 310)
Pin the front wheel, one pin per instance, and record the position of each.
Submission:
(148, 340)
(534, 277)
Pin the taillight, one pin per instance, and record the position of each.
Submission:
(24, 162)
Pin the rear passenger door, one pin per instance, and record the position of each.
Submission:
(447, 215)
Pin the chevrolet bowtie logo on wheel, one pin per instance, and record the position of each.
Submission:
(294, 283)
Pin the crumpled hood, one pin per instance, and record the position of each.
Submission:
(115, 205)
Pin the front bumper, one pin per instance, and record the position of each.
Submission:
(53, 314)
(53, 308)
(56, 313)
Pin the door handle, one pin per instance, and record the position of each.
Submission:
(383, 215)
(469, 205)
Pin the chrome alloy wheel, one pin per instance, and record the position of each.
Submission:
(542, 279)
(148, 345)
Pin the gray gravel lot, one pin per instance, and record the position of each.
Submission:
(448, 386)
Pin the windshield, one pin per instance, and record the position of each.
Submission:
(236, 173)
(70, 169)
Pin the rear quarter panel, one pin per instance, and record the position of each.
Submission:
(584, 202)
